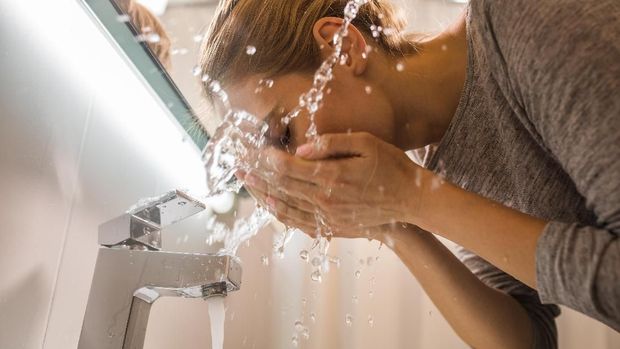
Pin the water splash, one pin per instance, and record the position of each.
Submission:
(234, 146)
(312, 100)
(282, 241)
(237, 142)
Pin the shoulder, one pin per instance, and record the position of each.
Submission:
(547, 20)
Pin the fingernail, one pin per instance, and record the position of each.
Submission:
(240, 174)
(271, 202)
(250, 179)
(304, 150)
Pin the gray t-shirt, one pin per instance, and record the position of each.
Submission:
(538, 129)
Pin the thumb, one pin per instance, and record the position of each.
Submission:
(334, 145)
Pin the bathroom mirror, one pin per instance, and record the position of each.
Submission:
(162, 48)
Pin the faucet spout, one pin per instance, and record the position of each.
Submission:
(127, 282)
(132, 272)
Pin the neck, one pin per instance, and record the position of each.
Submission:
(426, 92)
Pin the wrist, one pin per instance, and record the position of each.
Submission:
(399, 234)
(417, 195)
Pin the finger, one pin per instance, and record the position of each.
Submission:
(286, 213)
(285, 185)
(297, 203)
(285, 164)
(303, 226)
(335, 145)
(240, 174)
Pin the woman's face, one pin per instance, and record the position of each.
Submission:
(350, 104)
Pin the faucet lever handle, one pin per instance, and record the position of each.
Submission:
(167, 209)
(141, 225)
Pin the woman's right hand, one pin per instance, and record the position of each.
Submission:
(262, 192)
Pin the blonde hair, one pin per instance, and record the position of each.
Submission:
(147, 23)
(281, 32)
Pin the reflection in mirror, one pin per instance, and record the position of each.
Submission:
(157, 42)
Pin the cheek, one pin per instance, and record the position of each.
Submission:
(348, 112)
(358, 114)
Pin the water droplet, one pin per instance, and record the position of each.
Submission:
(123, 18)
(299, 326)
(303, 255)
(358, 274)
(348, 319)
(316, 261)
(316, 276)
(354, 299)
(305, 333)
(295, 341)
(371, 321)
(368, 89)
(376, 30)
(371, 294)
(182, 203)
(400, 66)
(313, 317)
(250, 50)
(153, 38)
(196, 70)
(264, 260)
(390, 31)
(197, 38)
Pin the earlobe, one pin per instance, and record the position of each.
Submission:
(354, 44)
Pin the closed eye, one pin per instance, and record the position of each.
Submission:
(285, 138)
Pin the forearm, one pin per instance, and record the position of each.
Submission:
(503, 236)
(482, 316)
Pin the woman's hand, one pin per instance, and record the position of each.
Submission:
(350, 182)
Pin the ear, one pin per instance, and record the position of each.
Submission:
(354, 44)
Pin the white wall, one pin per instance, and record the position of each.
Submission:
(80, 141)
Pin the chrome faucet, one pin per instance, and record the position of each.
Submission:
(132, 272)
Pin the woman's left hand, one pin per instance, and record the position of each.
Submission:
(353, 181)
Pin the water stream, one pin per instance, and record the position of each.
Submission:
(217, 312)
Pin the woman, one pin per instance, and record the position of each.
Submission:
(522, 99)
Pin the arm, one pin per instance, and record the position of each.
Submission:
(565, 75)
(481, 315)
(575, 265)
(503, 236)
(485, 307)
